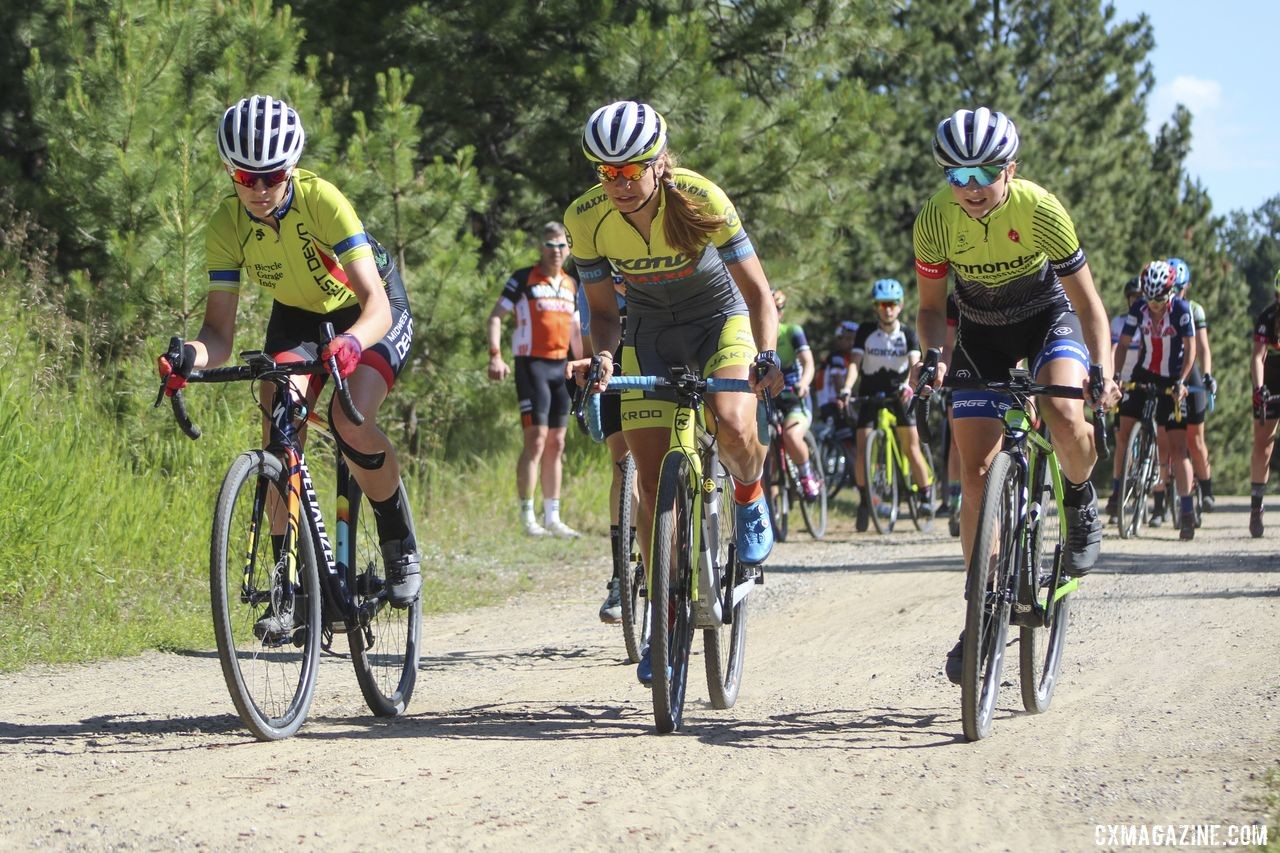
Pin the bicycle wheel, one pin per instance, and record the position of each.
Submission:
(835, 465)
(1174, 503)
(1133, 483)
(1040, 648)
(882, 484)
(986, 623)
(777, 489)
(724, 646)
(1197, 502)
(384, 640)
(628, 567)
(672, 601)
(271, 678)
(921, 516)
(815, 511)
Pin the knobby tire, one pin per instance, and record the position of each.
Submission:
(384, 640)
(271, 680)
(987, 606)
(672, 601)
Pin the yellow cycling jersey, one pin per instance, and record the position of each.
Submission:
(302, 265)
(661, 282)
(1007, 263)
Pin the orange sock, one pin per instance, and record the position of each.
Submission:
(745, 493)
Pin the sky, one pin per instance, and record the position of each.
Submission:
(1219, 60)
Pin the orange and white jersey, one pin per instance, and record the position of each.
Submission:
(546, 312)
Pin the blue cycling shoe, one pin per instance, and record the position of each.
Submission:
(755, 533)
(644, 669)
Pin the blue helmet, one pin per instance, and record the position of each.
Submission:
(886, 290)
(1181, 272)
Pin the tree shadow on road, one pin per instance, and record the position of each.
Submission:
(873, 728)
(117, 733)
(514, 721)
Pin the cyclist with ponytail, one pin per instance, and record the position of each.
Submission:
(697, 295)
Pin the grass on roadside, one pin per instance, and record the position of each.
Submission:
(104, 533)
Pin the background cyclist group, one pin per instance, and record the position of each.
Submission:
(664, 246)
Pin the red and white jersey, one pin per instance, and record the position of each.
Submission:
(546, 311)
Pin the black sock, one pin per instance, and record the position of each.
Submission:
(1256, 493)
(1076, 494)
(615, 538)
(392, 518)
(1206, 488)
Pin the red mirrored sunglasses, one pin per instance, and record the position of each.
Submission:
(627, 171)
(245, 178)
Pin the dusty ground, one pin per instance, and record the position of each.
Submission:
(528, 731)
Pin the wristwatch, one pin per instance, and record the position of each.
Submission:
(768, 356)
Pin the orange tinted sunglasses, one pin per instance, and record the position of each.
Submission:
(627, 171)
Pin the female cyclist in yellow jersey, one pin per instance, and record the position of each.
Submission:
(696, 295)
(1023, 290)
(297, 235)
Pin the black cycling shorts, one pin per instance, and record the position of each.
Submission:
(544, 398)
(870, 405)
(988, 352)
(294, 334)
(1133, 400)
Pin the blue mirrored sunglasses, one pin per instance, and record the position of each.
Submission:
(984, 175)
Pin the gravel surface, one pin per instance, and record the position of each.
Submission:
(528, 729)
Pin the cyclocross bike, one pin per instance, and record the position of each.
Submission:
(1015, 566)
(782, 481)
(274, 612)
(696, 580)
(1142, 470)
(889, 473)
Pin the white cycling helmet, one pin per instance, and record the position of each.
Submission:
(624, 132)
(975, 138)
(260, 134)
(1157, 280)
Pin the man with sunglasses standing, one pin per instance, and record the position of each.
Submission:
(544, 299)
(297, 235)
(1023, 290)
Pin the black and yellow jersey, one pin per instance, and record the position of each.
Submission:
(302, 265)
(661, 282)
(1007, 263)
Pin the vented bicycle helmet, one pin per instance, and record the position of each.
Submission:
(886, 290)
(623, 132)
(1157, 280)
(260, 134)
(1181, 272)
(975, 138)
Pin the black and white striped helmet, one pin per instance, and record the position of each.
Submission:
(975, 138)
(624, 132)
(260, 134)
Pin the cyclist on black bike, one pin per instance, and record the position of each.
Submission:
(1165, 358)
(883, 353)
(1202, 380)
(290, 231)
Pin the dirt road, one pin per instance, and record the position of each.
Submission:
(528, 731)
